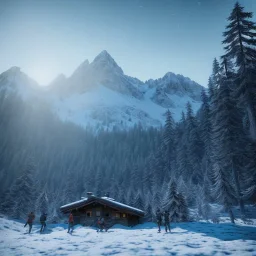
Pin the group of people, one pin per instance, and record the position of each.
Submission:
(163, 217)
(100, 223)
(30, 220)
(43, 218)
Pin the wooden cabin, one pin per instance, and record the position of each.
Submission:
(88, 210)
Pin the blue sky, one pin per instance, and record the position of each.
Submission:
(146, 38)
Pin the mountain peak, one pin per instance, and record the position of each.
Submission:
(82, 67)
(13, 70)
(84, 64)
(103, 55)
(61, 78)
(12, 73)
(105, 61)
(14, 78)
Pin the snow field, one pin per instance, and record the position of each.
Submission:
(194, 238)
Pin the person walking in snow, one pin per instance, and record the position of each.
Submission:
(159, 219)
(30, 220)
(167, 221)
(70, 222)
(101, 224)
(43, 222)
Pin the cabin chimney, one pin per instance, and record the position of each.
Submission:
(89, 194)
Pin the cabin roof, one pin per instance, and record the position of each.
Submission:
(104, 201)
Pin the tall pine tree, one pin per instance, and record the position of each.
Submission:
(240, 45)
(228, 137)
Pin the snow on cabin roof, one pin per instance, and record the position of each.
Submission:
(103, 200)
(74, 203)
(124, 205)
(108, 198)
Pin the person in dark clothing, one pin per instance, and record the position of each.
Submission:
(70, 223)
(101, 224)
(167, 221)
(30, 220)
(159, 219)
(43, 220)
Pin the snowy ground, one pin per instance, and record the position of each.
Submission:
(194, 238)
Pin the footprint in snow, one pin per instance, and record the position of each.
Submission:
(227, 253)
(193, 245)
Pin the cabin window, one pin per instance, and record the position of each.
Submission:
(97, 213)
(89, 214)
(124, 215)
(117, 215)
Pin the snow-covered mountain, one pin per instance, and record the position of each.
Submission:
(102, 71)
(99, 94)
(15, 80)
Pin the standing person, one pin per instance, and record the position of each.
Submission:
(30, 220)
(101, 224)
(167, 221)
(159, 219)
(70, 222)
(43, 220)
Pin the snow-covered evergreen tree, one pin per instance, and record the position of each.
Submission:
(138, 201)
(211, 91)
(130, 197)
(8, 199)
(216, 74)
(250, 182)
(20, 200)
(206, 126)
(223, 191)
(115, 188)
(42, 202)
(69, 190)
(148, 213)
(168, 141)
(203, 206)
(171, 203)
(206, 132)
(194, 145)
(183, 187)
(228, 137)
(160, 167)
(183, 208)
(240, 45)
(157, 199)
(135, 177)
(147, 177)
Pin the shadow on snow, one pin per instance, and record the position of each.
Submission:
(223, 231)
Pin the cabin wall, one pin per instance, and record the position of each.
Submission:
(89, 215)
(134, 220)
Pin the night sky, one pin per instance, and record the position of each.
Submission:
(146, 38)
